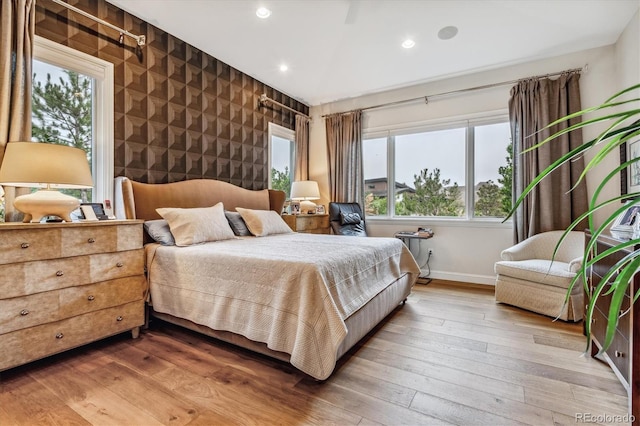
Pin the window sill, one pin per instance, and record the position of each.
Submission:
(414, 222)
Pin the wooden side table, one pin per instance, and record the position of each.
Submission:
(308, 223)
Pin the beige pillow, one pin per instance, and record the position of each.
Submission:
(263, 222)
(197, 225)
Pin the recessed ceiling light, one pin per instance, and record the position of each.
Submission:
(447, 33)
(408, 43)
(263, 13)
(284, 67)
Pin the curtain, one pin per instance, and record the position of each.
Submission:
(301, 171)
(344, 146)
(17, 29)
(552, 205)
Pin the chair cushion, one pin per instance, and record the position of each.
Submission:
(537, 270)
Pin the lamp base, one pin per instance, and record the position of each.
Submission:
(46, 202)
(307, 206)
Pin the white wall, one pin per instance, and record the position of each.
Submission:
(466, 251)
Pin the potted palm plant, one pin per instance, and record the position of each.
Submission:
(622, 119)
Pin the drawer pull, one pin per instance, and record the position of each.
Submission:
(24, 245)
(59, 273)
(59, 336)
(119, 264)
(91, 298)
(24, 312)
(619, 354)
(119, 318)
(91, 240)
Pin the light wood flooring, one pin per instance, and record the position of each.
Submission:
(449, 356)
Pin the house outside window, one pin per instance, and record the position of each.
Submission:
(432, 167)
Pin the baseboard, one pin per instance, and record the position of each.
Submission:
(467, 278)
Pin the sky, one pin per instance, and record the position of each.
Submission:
(442, 149)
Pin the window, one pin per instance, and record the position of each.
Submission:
(431, 169)
(282, 143)
(73, 105)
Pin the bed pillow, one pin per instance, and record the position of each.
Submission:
(158, 229)
(237, 224)
(264, 222)
(197, 225)
(352, 218)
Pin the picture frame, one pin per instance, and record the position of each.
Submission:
(294, 207)
(630, 176)
(627, 217)
(92, 211)
(320, 209)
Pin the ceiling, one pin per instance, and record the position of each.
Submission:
(337, 49)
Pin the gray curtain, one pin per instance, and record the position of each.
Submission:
(17, 29)
(344, 146)
(552, 205)
(301, 171)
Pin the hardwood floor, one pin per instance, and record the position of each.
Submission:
(449, 356)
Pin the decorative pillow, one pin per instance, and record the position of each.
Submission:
(264, 222)
(158, 229)
(237, 224)
(197, 225)
(352, 218)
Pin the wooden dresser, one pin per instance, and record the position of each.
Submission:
(624, 361)
(67, 284)
(308, 223)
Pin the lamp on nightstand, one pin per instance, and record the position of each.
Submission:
(305, 191)
(46, 166)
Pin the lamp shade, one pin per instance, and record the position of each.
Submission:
(48, 166)
(305, 190)
(45, 165)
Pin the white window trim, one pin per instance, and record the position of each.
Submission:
(281, 132)
(103, 121)
(390, 131)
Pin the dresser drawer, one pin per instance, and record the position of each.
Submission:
(93, 297)
(129, 237)
(19, 279)
(81, 240)
(618, 352)
(21, 245)
(34, 343)
(115, 265)
(26, 311)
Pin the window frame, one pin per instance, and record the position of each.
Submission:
(103, 117)
(284, 133)
(469, 181)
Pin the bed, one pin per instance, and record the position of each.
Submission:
(302, 298)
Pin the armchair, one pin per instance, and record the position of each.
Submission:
(347, 219)
(528, 278)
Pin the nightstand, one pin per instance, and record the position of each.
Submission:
(67, 284)
(308, 223)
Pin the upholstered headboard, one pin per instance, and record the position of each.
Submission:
(140, 200)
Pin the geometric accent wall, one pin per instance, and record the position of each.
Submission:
(179, 113)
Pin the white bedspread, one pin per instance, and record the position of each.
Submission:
(290, 291)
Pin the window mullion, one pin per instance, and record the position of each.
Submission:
(391, 175)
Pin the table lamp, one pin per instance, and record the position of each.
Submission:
(305, 191)
(47, 166)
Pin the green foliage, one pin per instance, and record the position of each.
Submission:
(433, 196)
(489, 200)
(281, 180)
(506, 190)
(62, 114)
(622, 120)
(374, 205)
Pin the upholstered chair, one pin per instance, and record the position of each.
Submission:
(528, 278)
(347, 219)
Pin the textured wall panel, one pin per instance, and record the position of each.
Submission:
(179, 112)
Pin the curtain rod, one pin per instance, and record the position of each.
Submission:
(140, 39)
(264, 99)
(470, 89)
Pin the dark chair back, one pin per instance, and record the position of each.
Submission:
(347, 219)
